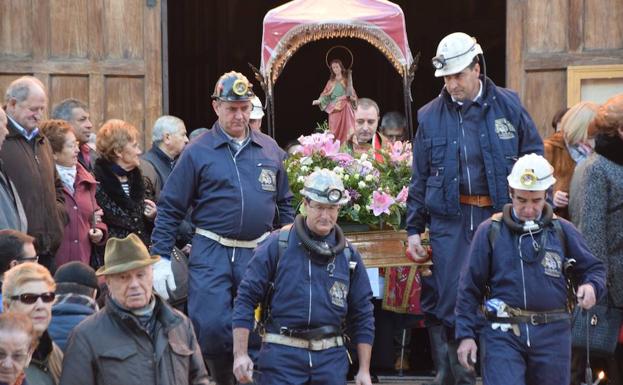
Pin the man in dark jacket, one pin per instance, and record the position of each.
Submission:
(137, 338)
(12, 215)
(28, 161)
(467, 141)
(169, 139)
(76, 288)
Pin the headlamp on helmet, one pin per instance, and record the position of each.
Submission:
(455, 53)
(332, 195)
(532, 172)
(233, 87)
(325, 186)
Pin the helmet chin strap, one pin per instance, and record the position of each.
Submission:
(319, 252)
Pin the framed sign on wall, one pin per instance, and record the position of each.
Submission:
(595, 83)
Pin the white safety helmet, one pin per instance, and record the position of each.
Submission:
(325, 186)
(454, 53)
(257, 112)
(532, 172)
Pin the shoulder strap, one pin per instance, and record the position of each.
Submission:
(494, 230)
(284, 235)
(561, 235)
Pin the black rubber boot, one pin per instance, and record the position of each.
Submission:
(439, 350)
(221, 371)
(461, 375)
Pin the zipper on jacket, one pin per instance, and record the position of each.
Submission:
(469, 177)
(309, 307)
(234, 156)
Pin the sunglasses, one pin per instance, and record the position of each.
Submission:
(30, 298)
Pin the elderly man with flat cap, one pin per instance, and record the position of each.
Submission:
(137, 338)
(234, 179)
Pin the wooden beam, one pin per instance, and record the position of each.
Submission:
(561, 60)
(514, 44)
(124, 67)
(576, 25)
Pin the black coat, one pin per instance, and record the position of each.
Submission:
(123, 214)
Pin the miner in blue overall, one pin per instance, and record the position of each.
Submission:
(233, 178)
(517, 268)
(312, 283)
(467, 141)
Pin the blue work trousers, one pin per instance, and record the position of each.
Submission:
(508, 360)
(450, 239)
(215, 271)
(280, 364)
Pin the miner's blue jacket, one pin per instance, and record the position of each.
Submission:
(232, 196)
(306, 295)
(507, 133)
(501, 270)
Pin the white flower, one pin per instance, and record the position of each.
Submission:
(307, 160)
(361, 184)
(356, 207)
(300, 179)
(316, 168)
(363, 157)
(338, 170)
(304, 169)
(356, 176)
(345, 177)
(369, 178)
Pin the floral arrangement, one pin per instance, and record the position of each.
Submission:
(377, 187)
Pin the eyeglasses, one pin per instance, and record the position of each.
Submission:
(34, 259)
(30, 298)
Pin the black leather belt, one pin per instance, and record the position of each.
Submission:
(311, 334)
(534, 318)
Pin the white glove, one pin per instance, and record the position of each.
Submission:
(163, 278)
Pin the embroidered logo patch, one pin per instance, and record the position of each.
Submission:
(268, 180)
(338, 293)
(504, 129)
(552, 264)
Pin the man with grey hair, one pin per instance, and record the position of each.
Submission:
(168, 140)
(75, 112)
(137, 338)
(29, 163)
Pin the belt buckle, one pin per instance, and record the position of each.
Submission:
(284, 331)
(533, 321)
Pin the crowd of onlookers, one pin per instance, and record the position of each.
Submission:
(62, 197)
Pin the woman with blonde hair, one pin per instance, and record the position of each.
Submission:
(28, 289)
(123, 193)
(569, 147)
(17, 343)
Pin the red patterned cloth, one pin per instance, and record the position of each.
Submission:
(403, 287)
